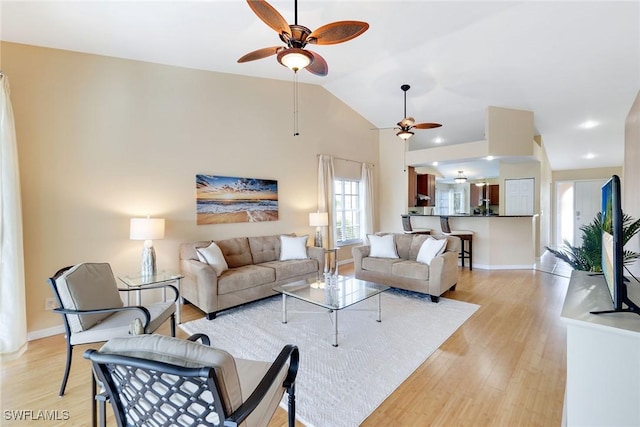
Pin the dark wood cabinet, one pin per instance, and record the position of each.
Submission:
(494, 194)
(421, 185)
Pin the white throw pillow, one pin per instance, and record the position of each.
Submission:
(382, 246)
(293, 247)
(430, 249)
(212, 255)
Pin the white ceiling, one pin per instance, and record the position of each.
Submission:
(568, 62)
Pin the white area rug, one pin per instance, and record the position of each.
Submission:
(340, 386)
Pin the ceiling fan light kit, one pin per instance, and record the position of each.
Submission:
(405, 134)
(295, 58)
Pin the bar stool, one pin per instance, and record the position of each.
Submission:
(408, 229)
(466, 250)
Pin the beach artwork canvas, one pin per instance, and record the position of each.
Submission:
(227, 199)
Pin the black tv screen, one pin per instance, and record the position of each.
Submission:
(613, 248)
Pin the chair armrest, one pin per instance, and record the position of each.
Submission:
(443, 273)
(204, 338)
(318, 254)
(288, 353)
(145, 312)
(176, 293)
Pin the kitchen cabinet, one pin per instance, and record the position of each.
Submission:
(421, 185)
(478, 194)
(494, 194)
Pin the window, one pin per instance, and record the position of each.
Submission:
(347, 204)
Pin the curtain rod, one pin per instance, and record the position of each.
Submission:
(346, 160)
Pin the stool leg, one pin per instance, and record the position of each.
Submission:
(462, 251)
(471, 254)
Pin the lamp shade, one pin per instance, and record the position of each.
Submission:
(460, 179)
(318, 219)
(404, 134)
(295, 58)
(146, 229)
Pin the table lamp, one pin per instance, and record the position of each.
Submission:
(317, 220)
(147, 229)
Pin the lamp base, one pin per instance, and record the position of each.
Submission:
(318, 242)
(148, 263)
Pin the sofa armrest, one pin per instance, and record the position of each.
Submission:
(319, 255)
(443, 273)
(359, 252)
(200, 284)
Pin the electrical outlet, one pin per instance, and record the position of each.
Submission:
(50, 304)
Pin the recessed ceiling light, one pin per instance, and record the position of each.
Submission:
(489, 158)
(589, 124)
(435, 163)
(589, 156)
(438, 140)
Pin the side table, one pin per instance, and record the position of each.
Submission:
(331, 262)
(138, 281)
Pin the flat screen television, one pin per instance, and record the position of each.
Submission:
(613, 248)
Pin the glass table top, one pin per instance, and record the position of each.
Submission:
(334, 294)
(137, 280)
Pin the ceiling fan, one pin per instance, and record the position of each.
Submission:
(296, 37)
(409, 123)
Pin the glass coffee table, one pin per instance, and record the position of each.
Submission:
(333, 294)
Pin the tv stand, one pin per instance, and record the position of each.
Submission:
(602, 356)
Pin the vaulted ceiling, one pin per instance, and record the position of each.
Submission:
(575, 64)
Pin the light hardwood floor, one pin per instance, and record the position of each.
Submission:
(504, 367)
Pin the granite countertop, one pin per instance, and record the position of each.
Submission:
(475, 216)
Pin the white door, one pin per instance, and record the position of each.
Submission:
(587, 203)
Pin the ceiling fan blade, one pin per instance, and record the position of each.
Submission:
(260, 53)
(427, 125)
(319, 66)
(337, 32)
(269, 16)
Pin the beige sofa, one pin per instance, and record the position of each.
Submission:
(254, 269)
(405, 272)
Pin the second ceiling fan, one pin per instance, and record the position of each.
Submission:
(296, 37)
(408, 123)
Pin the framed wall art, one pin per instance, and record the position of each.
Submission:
(227, 199)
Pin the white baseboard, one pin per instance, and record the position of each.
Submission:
(43, 333)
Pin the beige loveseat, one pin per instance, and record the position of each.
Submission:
(254, 269)
(405, 272)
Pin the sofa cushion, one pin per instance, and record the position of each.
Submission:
(382, 246)
(403, 244)
(430, 249)
(380, 265)
(236, 251)
(287, 269)
(293, 247)
(264, 248)
(245, 277)
(213, 256)
(410, 270)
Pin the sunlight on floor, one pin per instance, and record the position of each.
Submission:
(550, 264)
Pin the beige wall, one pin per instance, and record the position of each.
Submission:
(102, 139)
(631, 172)
(593, 173)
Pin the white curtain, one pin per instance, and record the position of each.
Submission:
(13, 318)
(326, 176)
(366, 201)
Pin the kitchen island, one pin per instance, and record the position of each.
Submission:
(500, 242)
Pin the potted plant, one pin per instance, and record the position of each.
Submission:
(588, 257)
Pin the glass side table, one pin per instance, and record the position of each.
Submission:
(331, 261)
(138, 281)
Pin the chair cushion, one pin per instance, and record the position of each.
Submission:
(293, 247)
(183, 353)
(430, 249)
(287, 269)
(213, 256)
(382, 246)
(250, 373)
(248, 276)
(88, 286)
(410, 270)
